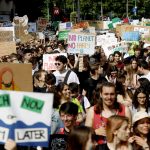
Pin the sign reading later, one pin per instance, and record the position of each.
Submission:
(25, 117)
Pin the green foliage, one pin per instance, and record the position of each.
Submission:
(89, 9)
(73, 16)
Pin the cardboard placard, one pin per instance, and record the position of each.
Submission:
(106, 39)
(120, 29)
(41, 24)
(131, 36)
(146, 39)
(6, 48)
(49, 61)
(7, 34)
(32, 27)
(121, 47)
(81, 43)
(63, 35)
(17, 77)
(65, 26)
(16, 109)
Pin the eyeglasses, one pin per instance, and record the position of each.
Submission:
(57, 64)
(142, 97)
(67, 116)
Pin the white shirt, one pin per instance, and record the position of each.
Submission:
(147, 76)
(60, 77)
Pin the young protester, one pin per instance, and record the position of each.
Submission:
(143, 68)
(112, 74)
(111, 59)
(91, 83)
(68, 114)
(63, 74)
(105, 107)
(141, 131)
(117, 61)
(80, 138)
(140, 101)
(144, 83)
(132, 76)
(50, 81)
(75, 94)
(124, 92)
(117, 134)
(39, 84)
(27, 55)
(134, 65)
(64, 92)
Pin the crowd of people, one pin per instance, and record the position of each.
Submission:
(106, 106)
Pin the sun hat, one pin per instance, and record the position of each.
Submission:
(139, 115)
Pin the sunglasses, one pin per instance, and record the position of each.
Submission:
(57, 64)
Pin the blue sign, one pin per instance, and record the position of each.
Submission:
(134, 9)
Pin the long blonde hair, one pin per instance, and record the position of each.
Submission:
(114, 123)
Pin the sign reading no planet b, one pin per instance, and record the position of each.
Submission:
(25, 117)
(49, 61)
(81, 43)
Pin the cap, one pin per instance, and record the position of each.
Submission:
(139, 115)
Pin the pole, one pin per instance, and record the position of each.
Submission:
(127, 7)
(135, 8)
(102, 10)
(73, 6)
(47, 9)
(78, 10)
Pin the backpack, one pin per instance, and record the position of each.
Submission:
(67, 76)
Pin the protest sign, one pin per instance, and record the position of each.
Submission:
(21, 28)
(17, 77)
(63, 35)
(16, 110)
(106, 39)
(83, 24)
(7, 34)
(41, 36)
(131, 36)
(65, 26)
(120, 29)
(49, 61)
(120, 46)
(31, 27)
(6, 48)
(81, 43)
(142, 29)
(114, 23)
(41, 24)
(146, 39)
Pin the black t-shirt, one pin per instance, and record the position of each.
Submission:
(102, 147)
(90, 85)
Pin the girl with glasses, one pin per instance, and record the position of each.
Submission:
(140, 101)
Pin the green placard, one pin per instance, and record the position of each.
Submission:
(4, 100)
(63, 35)
(114, 20)
(110, 26)
(32, 104)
